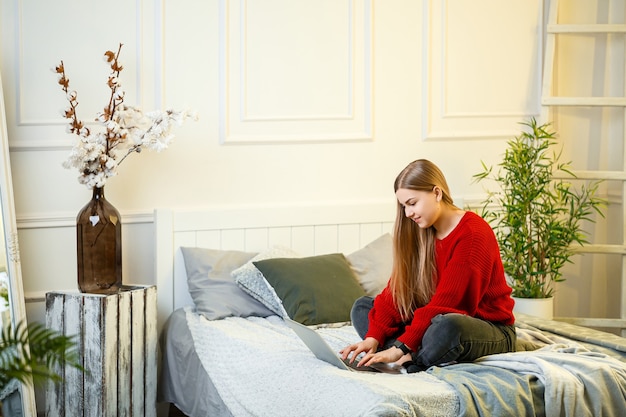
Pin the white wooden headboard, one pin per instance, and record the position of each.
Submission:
(308, 229)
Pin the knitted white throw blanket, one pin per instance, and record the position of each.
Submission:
(261, 368)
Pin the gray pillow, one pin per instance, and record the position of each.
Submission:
(372, 264)
(213, 290)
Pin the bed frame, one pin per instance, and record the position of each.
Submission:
(308, 229)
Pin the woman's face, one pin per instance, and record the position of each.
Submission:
(422, 207)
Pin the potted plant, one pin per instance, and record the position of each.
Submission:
(31, 353)
(537, 213)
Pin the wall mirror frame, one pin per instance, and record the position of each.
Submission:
(18, 399)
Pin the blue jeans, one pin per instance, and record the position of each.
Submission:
(449, 338)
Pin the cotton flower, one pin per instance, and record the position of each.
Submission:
(127, 129)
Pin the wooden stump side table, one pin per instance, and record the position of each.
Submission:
(117, 344)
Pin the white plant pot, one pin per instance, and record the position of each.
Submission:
(539, 307)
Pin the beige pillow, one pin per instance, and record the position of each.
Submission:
(372, 264)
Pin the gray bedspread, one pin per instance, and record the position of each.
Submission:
(182, 380)
(576, 383)
(491, 391)
(575, 372)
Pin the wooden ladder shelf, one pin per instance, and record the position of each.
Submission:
(553, 30)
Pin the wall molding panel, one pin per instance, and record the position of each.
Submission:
(455, 69)
(61, 220)
(36, 100)
(303, 86)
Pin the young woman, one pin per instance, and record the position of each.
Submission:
(447, 299)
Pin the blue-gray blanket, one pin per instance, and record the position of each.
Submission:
(575, 383)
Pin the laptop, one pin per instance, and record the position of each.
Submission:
(323, 351)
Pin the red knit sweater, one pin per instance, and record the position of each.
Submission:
(471, 281)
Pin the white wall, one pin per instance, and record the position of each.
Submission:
(299, 100)
(303, 123)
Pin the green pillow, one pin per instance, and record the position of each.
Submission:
(315, 289)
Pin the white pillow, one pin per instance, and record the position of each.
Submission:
(373, 263)
(252, 281)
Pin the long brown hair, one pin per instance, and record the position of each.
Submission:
(414, 273)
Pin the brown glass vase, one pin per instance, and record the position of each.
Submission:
(99, 246)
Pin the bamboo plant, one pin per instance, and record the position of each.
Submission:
(537, 213)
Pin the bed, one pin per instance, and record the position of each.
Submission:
(226, 277)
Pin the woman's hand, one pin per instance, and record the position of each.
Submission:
(393, 354)
(369, 346)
